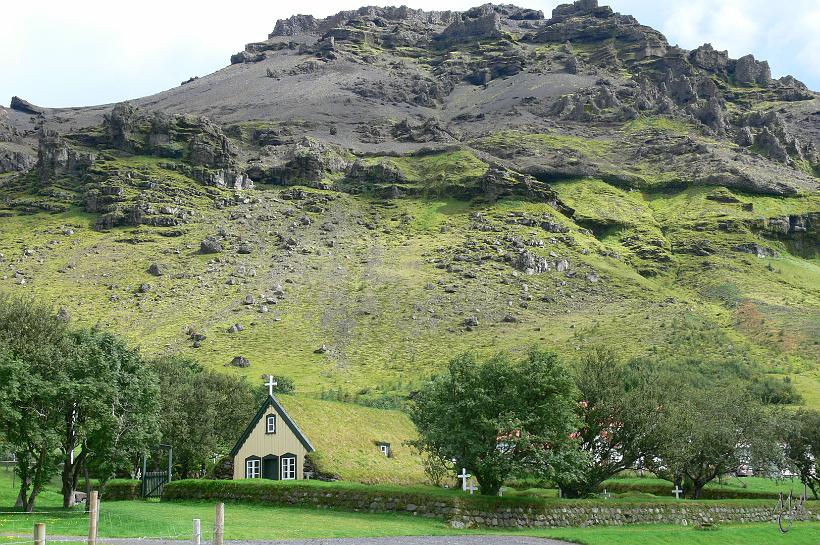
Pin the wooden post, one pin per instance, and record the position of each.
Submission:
(197, 532)
(93, 512)
(40, 534)
(219, 524)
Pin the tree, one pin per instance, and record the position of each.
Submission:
(499, 416)
(34, 347)
(802, 441)
(618, 406)
(707, 432)
(202, 412)
(69, 398)
(110, 408)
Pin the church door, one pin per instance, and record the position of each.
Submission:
(270, 467)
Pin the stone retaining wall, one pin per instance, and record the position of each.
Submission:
(617, 515)
(479, 511)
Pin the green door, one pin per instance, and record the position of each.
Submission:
(270, 467)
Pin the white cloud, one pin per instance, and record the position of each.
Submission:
(726, 24)
(60, 53)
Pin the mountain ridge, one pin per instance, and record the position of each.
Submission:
(357, 198)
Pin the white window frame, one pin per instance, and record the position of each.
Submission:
(385, 450)
(270, 419)
(253, 468)
(287, 468)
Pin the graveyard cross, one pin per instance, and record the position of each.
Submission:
(464, 476)
(271, 384)
(677, 492)
(472, 488)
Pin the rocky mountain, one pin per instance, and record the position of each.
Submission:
(356, 198)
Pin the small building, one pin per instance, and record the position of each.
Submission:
(272, 446)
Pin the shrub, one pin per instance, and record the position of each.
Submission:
(121, 489)
(776, 391)
(665, 490)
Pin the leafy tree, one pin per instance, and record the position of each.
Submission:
(500, 416)
(618, 406)
(709, 432)
(284, 385)
(803, 448)
(34, 350)
(110, 408)
(202, 411)
(68, 398)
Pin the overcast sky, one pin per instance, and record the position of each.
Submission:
(83, 52)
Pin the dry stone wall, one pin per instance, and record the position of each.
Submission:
(478, 511)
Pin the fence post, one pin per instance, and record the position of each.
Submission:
(40, 533)
(93, 511)
(219, 524)
(197, 532)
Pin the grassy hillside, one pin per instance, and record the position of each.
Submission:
(386, 286)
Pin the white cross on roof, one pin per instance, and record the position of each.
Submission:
(271, 384)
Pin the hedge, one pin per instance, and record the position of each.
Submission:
(304, 492)
(121, 489)
(708, 493)
(346, 494)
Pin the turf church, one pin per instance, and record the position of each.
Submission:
(272, 446)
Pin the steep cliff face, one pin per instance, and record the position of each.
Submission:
(396, 185)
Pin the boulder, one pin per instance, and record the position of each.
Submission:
(63, 314)
(157, 269)
(241, 362)
(755, 249)
(210, 246)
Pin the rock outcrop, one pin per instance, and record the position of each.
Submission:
(56, 157)
(749, 70)
(25, 106)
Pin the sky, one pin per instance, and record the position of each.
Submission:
(56, 53)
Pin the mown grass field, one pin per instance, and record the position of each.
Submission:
(172, 520)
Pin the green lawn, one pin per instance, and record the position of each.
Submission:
(173, 520)
(243, 521)
(749, 534)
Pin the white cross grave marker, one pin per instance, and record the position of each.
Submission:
(271, 384)
(464, 476)
(677, 492)
(472, 488)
